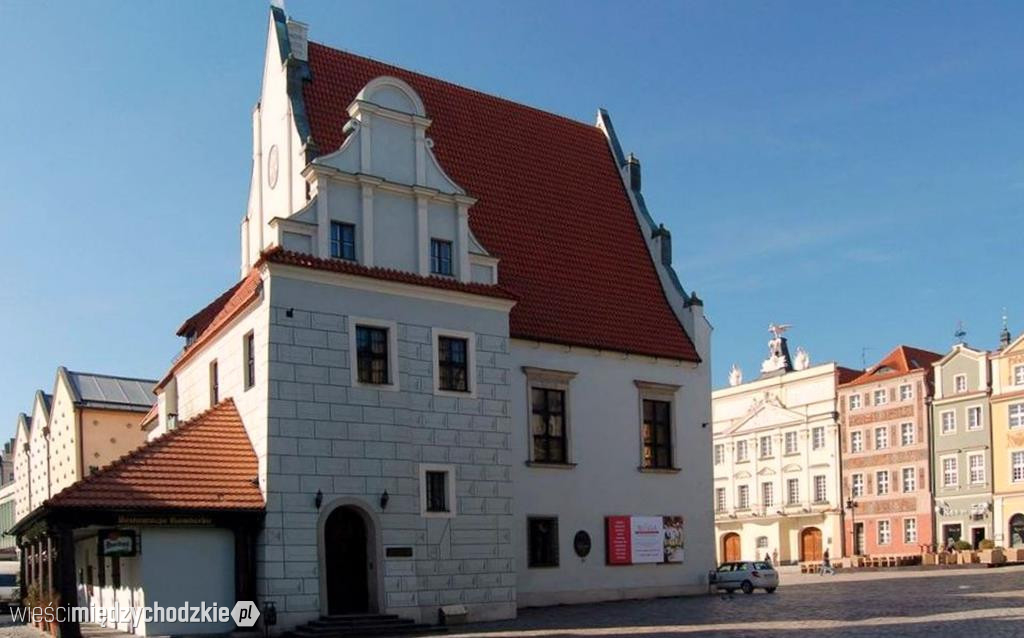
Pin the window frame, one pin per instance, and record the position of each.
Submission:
(793, 436)
(1011, 417)
(436, 259)
(888, 531)
(767, 494)
(792, 495)
(719, 453)
(214, 369)
(907, 539)
(555, 550)
(858, 488)
(970, 469)
(903, 479)
(951, 414)
(881, 392)
(437, 334)
(743, 497)
(859, 401)
(978, 423)
(558, 380)
(1017, 373)
(354, 323)
(818, 432)
(249, 360)
(1015, 476)
(856, 441)
(765, 447)
(745, 446)
(451, 497)
(958, 380)
(909, 394)
(824, 488)
(656, 427)
(665, 393)
(879, 474)
(953, 472)
(884, 429)
(721, 500)
(904, 430)
(341, 243)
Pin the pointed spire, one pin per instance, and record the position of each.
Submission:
(1004, 335)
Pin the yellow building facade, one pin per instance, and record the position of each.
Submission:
(1007, 405)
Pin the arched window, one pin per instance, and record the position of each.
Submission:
(1017, 530)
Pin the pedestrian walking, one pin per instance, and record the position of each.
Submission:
(826, 564)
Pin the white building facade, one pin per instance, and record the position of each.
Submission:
(777, 466)
(444, 412)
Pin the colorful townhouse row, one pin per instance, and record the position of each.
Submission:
(914, 454)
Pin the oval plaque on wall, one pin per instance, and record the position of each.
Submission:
(581, 543)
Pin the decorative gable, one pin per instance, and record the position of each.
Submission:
(766, 413)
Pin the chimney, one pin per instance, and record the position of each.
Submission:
(298, 33)
(663, 238)
(633, 171)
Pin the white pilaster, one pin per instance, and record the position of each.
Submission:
(463, 246)
(422, 234)
(323, 220)
(367, 225)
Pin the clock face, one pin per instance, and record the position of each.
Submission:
(272, 166)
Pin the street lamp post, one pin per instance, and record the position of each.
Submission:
(852, 506)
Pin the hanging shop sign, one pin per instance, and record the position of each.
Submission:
(637, 540)
(117, 542)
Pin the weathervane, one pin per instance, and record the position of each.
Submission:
(960, 333)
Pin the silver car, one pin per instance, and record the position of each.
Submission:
(745, 575)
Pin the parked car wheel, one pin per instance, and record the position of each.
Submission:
(770, 590)
(747, 587)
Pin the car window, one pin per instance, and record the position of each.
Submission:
(762, 566)
(727, 567)
(8, 580)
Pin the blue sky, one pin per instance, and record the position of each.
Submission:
(853, 168)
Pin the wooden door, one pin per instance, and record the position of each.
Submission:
(730, 548)
(810, 545)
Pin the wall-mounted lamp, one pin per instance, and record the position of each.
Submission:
(384, 498)
(319, 500)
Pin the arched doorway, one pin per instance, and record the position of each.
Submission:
(730, 548)
(1017, 530)
(347, 561)
(810, 544)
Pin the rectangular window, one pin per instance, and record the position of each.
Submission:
(906, 392)
(719, 454)
(343, 241)
(657, 434)
(437, 491)
(548, 425)
(719, 499)
(792, 491)
(768, 494)
(790, 442)
(907, 434)
(766, 447)
(880, 397)
(743, 497)
(882, 482)
(1017, 467)
(948, 422)
(741, 451)
(884, 533)
(820, 495)
(910, 530)
(854, 401)
(214, 384)
(960, 383)
(857, 485)
(1017, 415)
(1018, 375)
(818, 437)
(909, 479)
(542, 541)
(976, 468)
(452, 363)
(372, 355)
(949, 472)
(441, 257)
(974, 418)
(857, 441)
(249, 357)
(882, 437)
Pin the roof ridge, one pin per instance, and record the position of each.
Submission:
(463, 87)
(157, 443)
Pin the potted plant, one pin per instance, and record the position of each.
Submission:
(965, 552)
(51, 601)
(31, 602)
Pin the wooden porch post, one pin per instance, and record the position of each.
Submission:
(23, 559)
(38, 552)
(49, 561)
(66, 581)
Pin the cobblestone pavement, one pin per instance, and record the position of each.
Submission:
(988, 603)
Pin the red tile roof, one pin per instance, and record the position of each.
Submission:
(206, 463)
(902, 360)
(847, 374)
(551, 205)
(277, 255)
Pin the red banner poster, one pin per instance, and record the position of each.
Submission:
(618, 533)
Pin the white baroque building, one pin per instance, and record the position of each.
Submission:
(776, 462)
(458, 350)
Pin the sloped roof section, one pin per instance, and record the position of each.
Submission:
(206, 463)
(551, 205)
(900, 361)
(109, 392)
